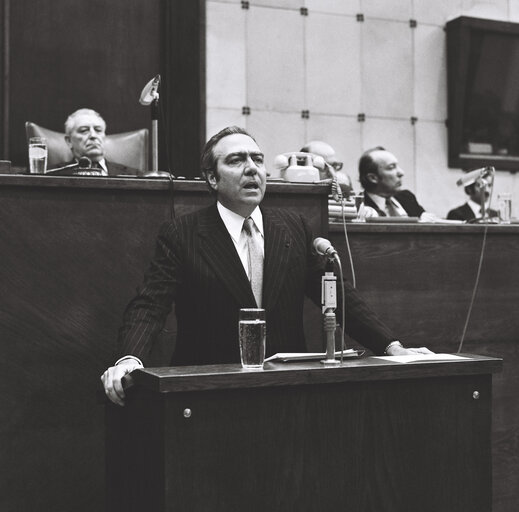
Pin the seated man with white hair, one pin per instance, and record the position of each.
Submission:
(333, 167)
(85, 134)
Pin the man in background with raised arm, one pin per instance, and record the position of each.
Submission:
(472, 209)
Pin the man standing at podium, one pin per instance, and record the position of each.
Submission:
(228, 256)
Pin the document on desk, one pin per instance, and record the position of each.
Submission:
(413, 358)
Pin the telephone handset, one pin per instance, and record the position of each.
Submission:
(299, 166)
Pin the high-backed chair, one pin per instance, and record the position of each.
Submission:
(128, 148)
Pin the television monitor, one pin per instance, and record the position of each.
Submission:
(483, 93)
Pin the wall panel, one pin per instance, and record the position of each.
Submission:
(69, 54)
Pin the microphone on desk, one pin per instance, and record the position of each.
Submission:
(84, 163)
(324, 247)
(473, 176)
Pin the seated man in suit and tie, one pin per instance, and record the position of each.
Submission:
(333, 165)
(381, 177)
(85, 132)
(203, 264)
(472, 209)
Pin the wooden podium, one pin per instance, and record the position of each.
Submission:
(371, 435)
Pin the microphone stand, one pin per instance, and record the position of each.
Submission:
(329, 304)
(483, 187)
(150, 96)
(155, 133)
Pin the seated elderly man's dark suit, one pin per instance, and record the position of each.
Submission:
(196, 266)
(406, 198)
(113, 168)
(465, 212)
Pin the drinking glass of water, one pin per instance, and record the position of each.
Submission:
(504, 200)
(252, 335)
(37, 155)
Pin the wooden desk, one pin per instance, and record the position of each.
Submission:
(369, 436)
(419, 278)
(73, 250)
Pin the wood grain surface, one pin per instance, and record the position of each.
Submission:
(72, 252)
(370, 445)
(420, 280)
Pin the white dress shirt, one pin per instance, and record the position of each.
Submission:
(234, 225)
(380, 201)
(476, 208)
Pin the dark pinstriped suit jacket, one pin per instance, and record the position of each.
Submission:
(197, 267)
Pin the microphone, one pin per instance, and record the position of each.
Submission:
(324, 247)
(150, 91)
(58, 170)
(84, 163)
(473, 176)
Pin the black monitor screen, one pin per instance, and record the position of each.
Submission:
(483, 74)
(491, 111)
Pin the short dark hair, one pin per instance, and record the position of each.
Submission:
(470, 189)
(367, 166)
(208, 159)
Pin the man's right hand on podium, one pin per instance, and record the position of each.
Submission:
(112, 378)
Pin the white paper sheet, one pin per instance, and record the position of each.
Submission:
(412, 358)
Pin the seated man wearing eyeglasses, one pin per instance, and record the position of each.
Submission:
(333, 165)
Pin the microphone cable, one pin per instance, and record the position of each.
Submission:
(478, 273)
(343, 309)
(346, 238)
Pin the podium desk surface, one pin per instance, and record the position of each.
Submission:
(143, 183)
(233, 376)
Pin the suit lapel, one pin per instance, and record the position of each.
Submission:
(469, 213)
(218, 250)
(278, 245)
(369, 202)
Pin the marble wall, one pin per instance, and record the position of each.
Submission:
(276, 61)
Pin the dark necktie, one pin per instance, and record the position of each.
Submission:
(391, 209)
(255, 259)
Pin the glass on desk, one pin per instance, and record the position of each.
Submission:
(504, 201)
(252, 336)
(37, 155)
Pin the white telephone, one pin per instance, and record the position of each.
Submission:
(300, 167)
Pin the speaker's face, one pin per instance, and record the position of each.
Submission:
(240, 179)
